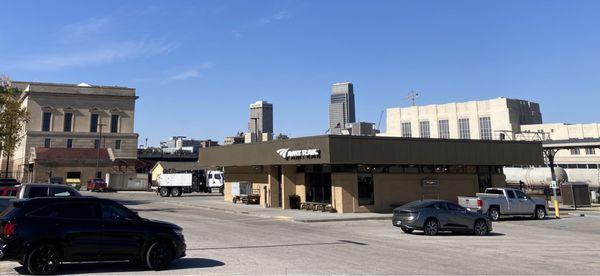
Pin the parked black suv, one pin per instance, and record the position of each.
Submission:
(41, 233)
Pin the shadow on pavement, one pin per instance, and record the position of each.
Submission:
(124, 267)
(491, 234)
(339, 242)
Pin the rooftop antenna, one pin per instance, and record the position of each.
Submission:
(412, 96)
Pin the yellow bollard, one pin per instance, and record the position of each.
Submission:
(556, 211)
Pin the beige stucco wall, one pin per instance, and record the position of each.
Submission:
(396, 189)
(390, 190)
(344, 192)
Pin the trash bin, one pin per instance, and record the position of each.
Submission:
(294, 202)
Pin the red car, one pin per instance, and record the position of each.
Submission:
(9, 187)
(96, 185)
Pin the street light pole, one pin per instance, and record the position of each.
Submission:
(100, 125)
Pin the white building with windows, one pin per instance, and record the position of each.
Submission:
(580, 158)
(485, 120)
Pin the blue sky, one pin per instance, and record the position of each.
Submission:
(197, 65)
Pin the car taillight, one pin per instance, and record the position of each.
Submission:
(9, 229)
(479, 203)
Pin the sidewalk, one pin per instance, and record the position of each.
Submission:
(278, 213)
(593, 210)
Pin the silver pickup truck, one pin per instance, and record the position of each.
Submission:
(497, 202)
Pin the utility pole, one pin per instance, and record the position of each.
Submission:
(550, 155)
(100, 125)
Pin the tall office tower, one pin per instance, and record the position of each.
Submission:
(261, 120)
(341, 107)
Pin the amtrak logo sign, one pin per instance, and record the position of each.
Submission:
(299, 154)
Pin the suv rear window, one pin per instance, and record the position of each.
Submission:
(74, 210)
(37, 192)
(62, 192)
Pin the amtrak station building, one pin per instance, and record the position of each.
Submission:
(367, 173)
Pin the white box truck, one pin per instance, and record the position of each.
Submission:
(175, 184)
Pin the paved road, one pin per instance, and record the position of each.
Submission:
(226, 243)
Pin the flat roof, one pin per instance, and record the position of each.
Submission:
(572, 143)
(345, 149)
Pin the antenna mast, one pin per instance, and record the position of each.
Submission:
(412, 96)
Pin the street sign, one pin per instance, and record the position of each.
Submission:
(553, 184)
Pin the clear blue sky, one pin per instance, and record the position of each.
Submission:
(197, 65)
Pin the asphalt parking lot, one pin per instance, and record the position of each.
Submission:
(227, 243)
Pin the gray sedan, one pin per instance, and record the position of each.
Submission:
(432, 216)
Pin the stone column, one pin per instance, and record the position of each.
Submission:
(288, 184)
(272, 187)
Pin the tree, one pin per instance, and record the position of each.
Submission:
(13, 117)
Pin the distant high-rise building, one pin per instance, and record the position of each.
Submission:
(341, 107)
(261, 120)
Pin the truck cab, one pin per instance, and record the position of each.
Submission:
(215, 179)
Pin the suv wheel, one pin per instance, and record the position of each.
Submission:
(43, 259)
(481, 228)
(164, 191)
(540, 213)
(159, 255)
(494, 213)
(176, 192)
(431, 227)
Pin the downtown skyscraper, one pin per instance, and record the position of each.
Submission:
(341, 107)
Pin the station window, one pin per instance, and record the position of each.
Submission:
(47, 143)
(94, 119)
(68, 122)
(411, 169)
(406, 130)
(444, 129)
(485, 128)
(590, 151)
(118, 144)
(427, 168)
(366, 194)
(592, 166)
(46, 121)
(69, 143)
(575, 151)
(114, 123)
(97, 143)
(463, 128)
(424, 129)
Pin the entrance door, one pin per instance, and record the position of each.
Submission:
(318, 187)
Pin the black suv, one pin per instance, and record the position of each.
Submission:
(41, 233)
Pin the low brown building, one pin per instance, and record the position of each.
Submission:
(367, 174)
